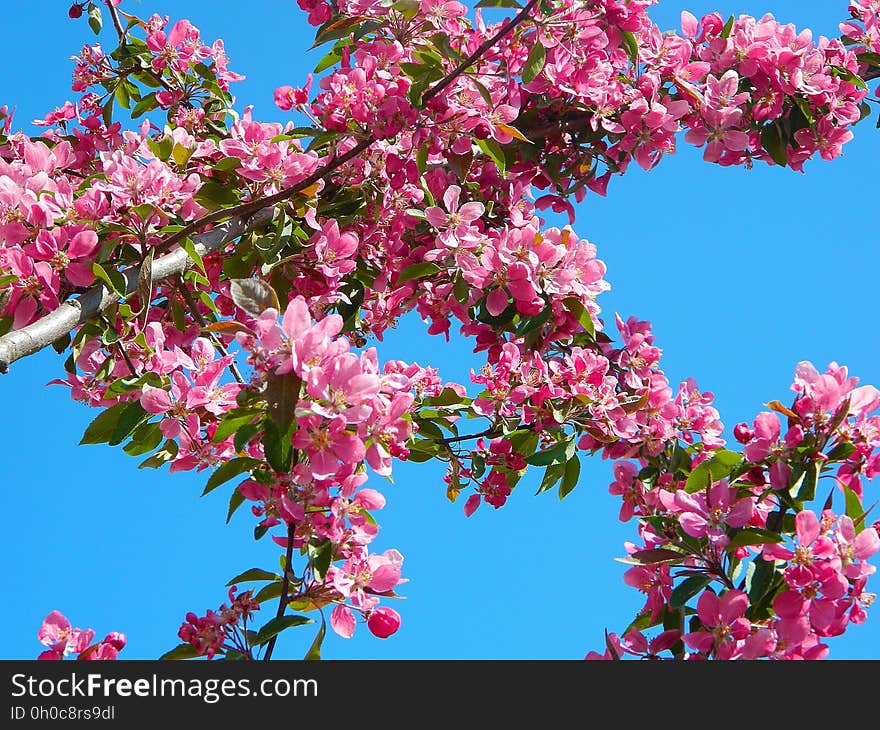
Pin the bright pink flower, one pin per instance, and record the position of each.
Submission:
(726, 625)
(455, 223)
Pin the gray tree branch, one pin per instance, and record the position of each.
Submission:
(79, 310)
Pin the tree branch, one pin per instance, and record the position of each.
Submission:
(285, 588)
(336, 162)
(468, 62)
(114, 14)
(74, 312)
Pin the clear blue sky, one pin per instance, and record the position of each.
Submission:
(742, 273)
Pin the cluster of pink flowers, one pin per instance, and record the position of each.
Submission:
(863, 30)
(62, 640)
(221, 630)
(825, 570)
(439, 215)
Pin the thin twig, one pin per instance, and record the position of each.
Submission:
(116, 22)
(468, 62)
(285, 587)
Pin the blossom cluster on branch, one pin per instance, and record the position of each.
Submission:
(414, 183)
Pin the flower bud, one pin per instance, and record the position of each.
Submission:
(742, 433)
(75, 11)
(383, 622)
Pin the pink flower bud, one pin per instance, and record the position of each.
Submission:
(75, 11)
(383, 622)
(742, 433)
(115, 639)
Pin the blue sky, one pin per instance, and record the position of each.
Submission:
(743, 274)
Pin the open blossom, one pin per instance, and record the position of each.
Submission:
(725, 624)
(708, 514)
(455, 223)
(62, 639)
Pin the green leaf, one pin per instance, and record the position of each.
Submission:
(854, 509)
(728, 27)
(228, 164)
(235, 501)
(229, 470)
(559, 453)
(686, 590)
(122, 97)
(478, 464)
(446, 397)
(534, 62)
(417, 271)
(129, 419)
(320, 557)
(335, 29)
(269, 592)
(759, 576)
(720, 465)
(145, 438)
(807, 489)
(214, 195)
(166, 453)
(181, 651)
(848, 76)
(277, 447)
(314, 652)
(147, 104)
(552, 474)
(254, 296)
(842, 451)
(571, 476)
(187, 245)
(95, 22)
(652, 556)
(752, 536)
(581, 314)
(100, 430)
(631, 45)
(276, 625)
(244, 435)
(112, 278)
(254, 574)
(231, 423)
(773, 141)
(493, 150)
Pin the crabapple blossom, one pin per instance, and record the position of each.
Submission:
(247, 270)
